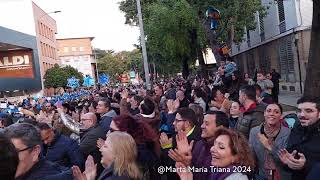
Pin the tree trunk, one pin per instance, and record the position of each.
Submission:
(312, 83)
(185, 67)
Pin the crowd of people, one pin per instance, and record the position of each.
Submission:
(227, 127)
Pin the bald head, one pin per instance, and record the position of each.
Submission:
(88, 120)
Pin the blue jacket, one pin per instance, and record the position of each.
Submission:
(106, 119)
(64, 151)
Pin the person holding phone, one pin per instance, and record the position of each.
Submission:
(303, 150)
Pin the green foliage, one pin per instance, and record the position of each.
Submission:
(58, 76)
(176, 29)
(115, 64)
(168, 28)
(237, 13)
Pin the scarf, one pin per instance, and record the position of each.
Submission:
(271, 132)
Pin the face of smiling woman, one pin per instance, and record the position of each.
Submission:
(107, 154)
(221, 152)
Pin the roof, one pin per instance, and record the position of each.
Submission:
(91, 38)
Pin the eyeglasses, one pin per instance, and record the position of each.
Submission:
(18, 151)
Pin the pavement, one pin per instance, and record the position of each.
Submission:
(289, 101)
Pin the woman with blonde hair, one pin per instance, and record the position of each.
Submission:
(119, 158)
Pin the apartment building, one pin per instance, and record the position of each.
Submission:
(280, 41)
(78, 53)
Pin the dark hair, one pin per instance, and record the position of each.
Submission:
(30, 121)
(6, 120)
(140, 130)
(239, 146)
(188, 114)
(310, 99)
(106, 102)
(9, 158)
(228, 58)
(199, 93)
(43, 126)
(137, 98)
(279, 106)
(147, 106)
(221, 118)
(249, 91)
(198, 112)
(257, 87)
(27, 133)
(117, 96)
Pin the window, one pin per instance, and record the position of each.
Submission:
(282, 20)
(81, 49)
(261, 25)
(286, 59)
(39, 27)
(65, 49)
(73, 49)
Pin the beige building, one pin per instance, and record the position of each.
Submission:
(281, 41)
(78, 53)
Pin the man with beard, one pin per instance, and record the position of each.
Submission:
(303, 150)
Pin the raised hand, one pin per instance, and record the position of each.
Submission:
(179, 157)
(164, 140)
(290, 160)
(182, 143)
(91, 169)
(90, 172)
(264, 141)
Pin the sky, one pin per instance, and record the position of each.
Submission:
(101, 19)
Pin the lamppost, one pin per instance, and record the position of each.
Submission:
(143, 45)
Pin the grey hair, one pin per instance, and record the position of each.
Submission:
(27, 133)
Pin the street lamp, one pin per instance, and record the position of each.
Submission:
(143, 45)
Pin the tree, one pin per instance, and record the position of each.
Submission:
(312, 83)
(58, 76)
(115, 64)
(169, 27)
(237, 15)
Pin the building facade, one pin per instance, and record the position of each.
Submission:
(36, 30)
(280, 41)
(78, 53)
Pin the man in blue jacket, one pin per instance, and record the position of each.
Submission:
(59, 148)
(27, 141)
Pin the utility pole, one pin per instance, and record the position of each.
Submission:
(143, 45)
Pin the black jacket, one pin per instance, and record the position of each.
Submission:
(88, 144)
(108, 174)
(167, 161)
(305, 140)
(46, 170)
